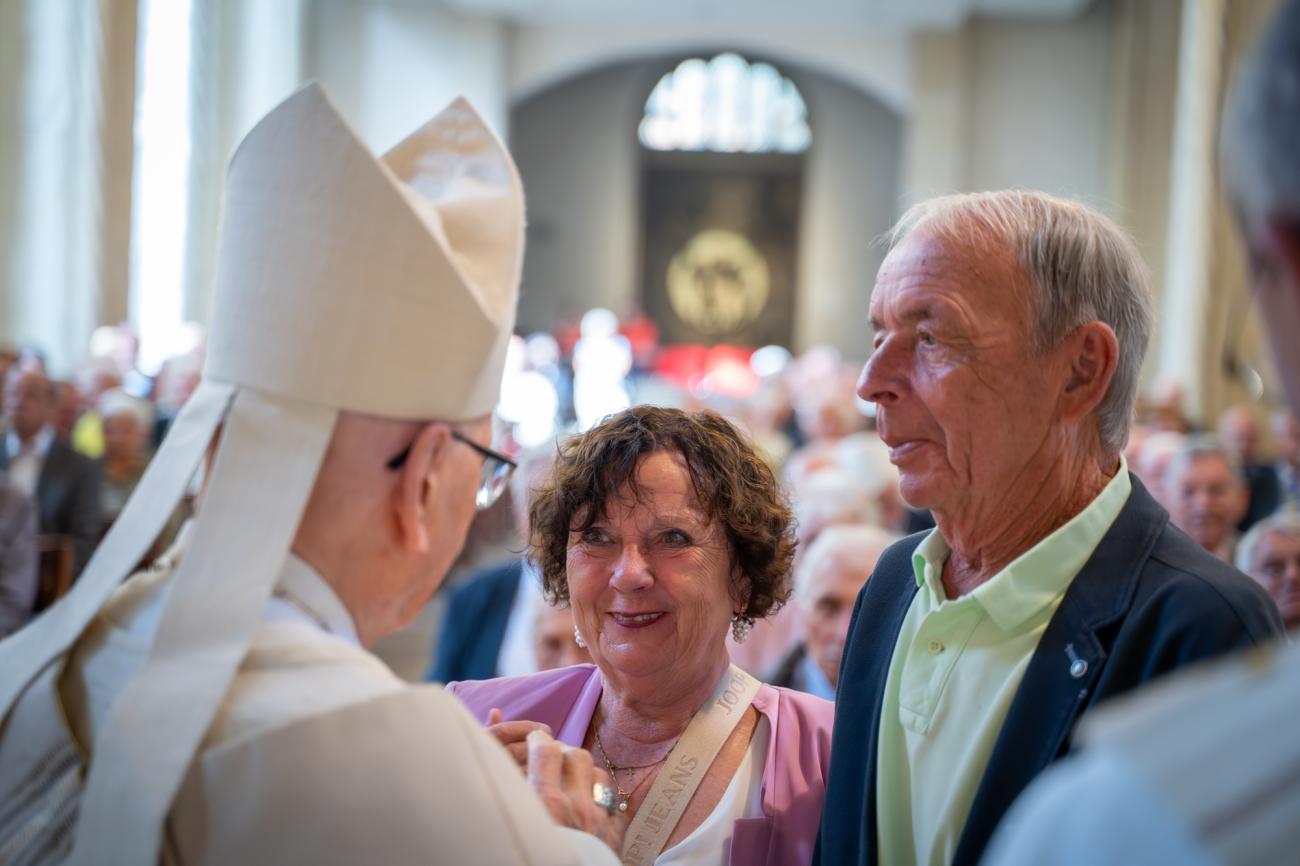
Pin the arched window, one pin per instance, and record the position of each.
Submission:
(727, 105)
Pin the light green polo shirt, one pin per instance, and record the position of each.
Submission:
(955, 669)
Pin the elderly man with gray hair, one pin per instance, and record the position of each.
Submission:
(1010, 329)
(827, 578)
(1270, 553)
(1200, 768)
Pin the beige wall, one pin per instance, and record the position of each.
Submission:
(391, 65)
(577, 150)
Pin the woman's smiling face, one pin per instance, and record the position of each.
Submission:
(651, 582)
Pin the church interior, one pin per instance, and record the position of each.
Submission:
(710, 188)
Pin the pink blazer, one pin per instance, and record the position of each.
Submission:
(798, 757)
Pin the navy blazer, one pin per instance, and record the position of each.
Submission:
(475, 624)
(1149, 600)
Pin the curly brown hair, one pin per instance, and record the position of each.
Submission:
(732, 484)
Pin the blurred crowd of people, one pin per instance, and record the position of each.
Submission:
(73, 451)
(75, 448)
(1232, 486)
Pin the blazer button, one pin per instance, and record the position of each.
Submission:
(1078, 668)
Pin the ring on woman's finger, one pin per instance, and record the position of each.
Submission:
(604, 797)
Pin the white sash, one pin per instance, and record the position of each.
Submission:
(687, 763)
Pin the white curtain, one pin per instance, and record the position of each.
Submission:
(67, 84)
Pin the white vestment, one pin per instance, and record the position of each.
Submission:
(318, 754)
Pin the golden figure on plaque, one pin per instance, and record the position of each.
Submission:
(718, 282)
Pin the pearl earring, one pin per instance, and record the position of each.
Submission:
(741, 624)
(577, 637)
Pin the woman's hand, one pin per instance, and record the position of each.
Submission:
(513, 735)
(563, 777)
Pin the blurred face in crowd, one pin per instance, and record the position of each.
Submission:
(837, 569)
(650, 582)
(1206, 499)
(1239, 433)
(67, 409)
(963, 401)
(29, 402)
(1275, 564)
(553, 641)
(124, 438)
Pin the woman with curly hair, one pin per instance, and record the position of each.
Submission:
(663, 530)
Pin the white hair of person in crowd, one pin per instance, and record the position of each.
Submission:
(864, 457)
(827, 580)
(825, 498)
(116, 402)
(1270, 553)
(1153, 458)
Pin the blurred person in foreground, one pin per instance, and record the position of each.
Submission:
(1200, 768)
(1206, 495)
(487, 629)
(1010, 329)
(828, 577)
(64, 484)
(1239, 434)
(229, 708)
(19, 558)
(664, 530)
(1270, 553)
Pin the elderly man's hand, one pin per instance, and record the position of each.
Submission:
(563, 777)
(514, 735)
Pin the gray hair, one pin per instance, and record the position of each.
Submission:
(831, 541)
(1285, 523)
(1082, 268)
(1200, 448)
(1261, 122)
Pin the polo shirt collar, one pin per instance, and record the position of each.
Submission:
(1038, 577)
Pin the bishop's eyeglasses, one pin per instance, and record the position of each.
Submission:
(495, 473)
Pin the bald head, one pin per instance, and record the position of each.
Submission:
(384, 535)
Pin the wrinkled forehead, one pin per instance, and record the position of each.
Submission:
(970, 269)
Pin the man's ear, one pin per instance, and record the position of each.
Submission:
(418, 482)
(1093, 357)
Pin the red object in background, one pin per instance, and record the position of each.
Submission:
(642, 335)
(713, 369)
(567, 333)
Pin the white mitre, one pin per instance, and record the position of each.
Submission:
(344, 283)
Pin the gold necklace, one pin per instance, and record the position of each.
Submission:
(624, 797)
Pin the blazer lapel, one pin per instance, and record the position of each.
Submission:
(1063, 669)
(849, 817)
